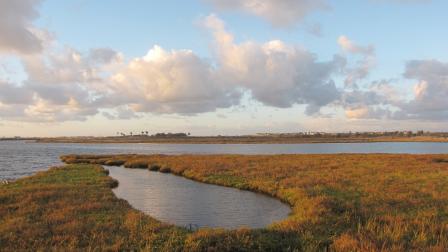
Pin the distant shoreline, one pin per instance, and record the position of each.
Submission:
(19, 139)
(237, 140)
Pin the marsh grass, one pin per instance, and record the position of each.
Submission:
(165, 169)
(153, 167)
(440, 160)
(341, 202)
(73, 208)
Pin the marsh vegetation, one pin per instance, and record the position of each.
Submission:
(345, 202)
(72, 208)
(361, 202)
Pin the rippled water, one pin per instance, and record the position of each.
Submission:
(20, 158)
(182, 202)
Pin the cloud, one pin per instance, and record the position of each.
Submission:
(104, 56)
(363, 66)
(430, 92)
(279, 13)
(275, 73)
(17, 32)
(428, 102)
(176, 81)
(286, 13)
(61, 75)
(370, 103)
(349, 46)
(14, 112)
(12, 94)
(121, 113)
(181, 82)
(366, 112)
(64, 84)
(61, 85)
(45, 111)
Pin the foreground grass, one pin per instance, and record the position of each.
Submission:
(345, 202)
(73, 208)
(340, 202)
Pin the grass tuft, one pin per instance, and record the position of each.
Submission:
(154, 167)
(165, 169)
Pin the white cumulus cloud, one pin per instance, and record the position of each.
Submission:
(430, 92)
(17, 33)
(275, 73)
(176, 81)
(363, 66)
(61, 85)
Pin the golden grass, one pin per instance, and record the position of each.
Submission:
(344, 202)
(72, 208)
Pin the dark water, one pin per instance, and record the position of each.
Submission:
(180, 201)
(19, 158)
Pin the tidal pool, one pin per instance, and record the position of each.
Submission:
(183, 202)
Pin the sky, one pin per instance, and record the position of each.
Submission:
(222, 67)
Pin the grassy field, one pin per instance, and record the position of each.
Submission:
(243, 139)
(340, 202)
(73, 208)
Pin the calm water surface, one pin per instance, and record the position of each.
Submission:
(20, 158)
(178, 200)
(181, 201)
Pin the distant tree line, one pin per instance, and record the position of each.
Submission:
(357, 134)
(146, 133)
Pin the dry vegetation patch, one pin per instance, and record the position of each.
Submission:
(340, 202)
(72, 208)
(358, 201)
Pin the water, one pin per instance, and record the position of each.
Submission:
(20, 158)
(182, 202)
(178, 200)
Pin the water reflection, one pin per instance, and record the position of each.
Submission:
(180, 201)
